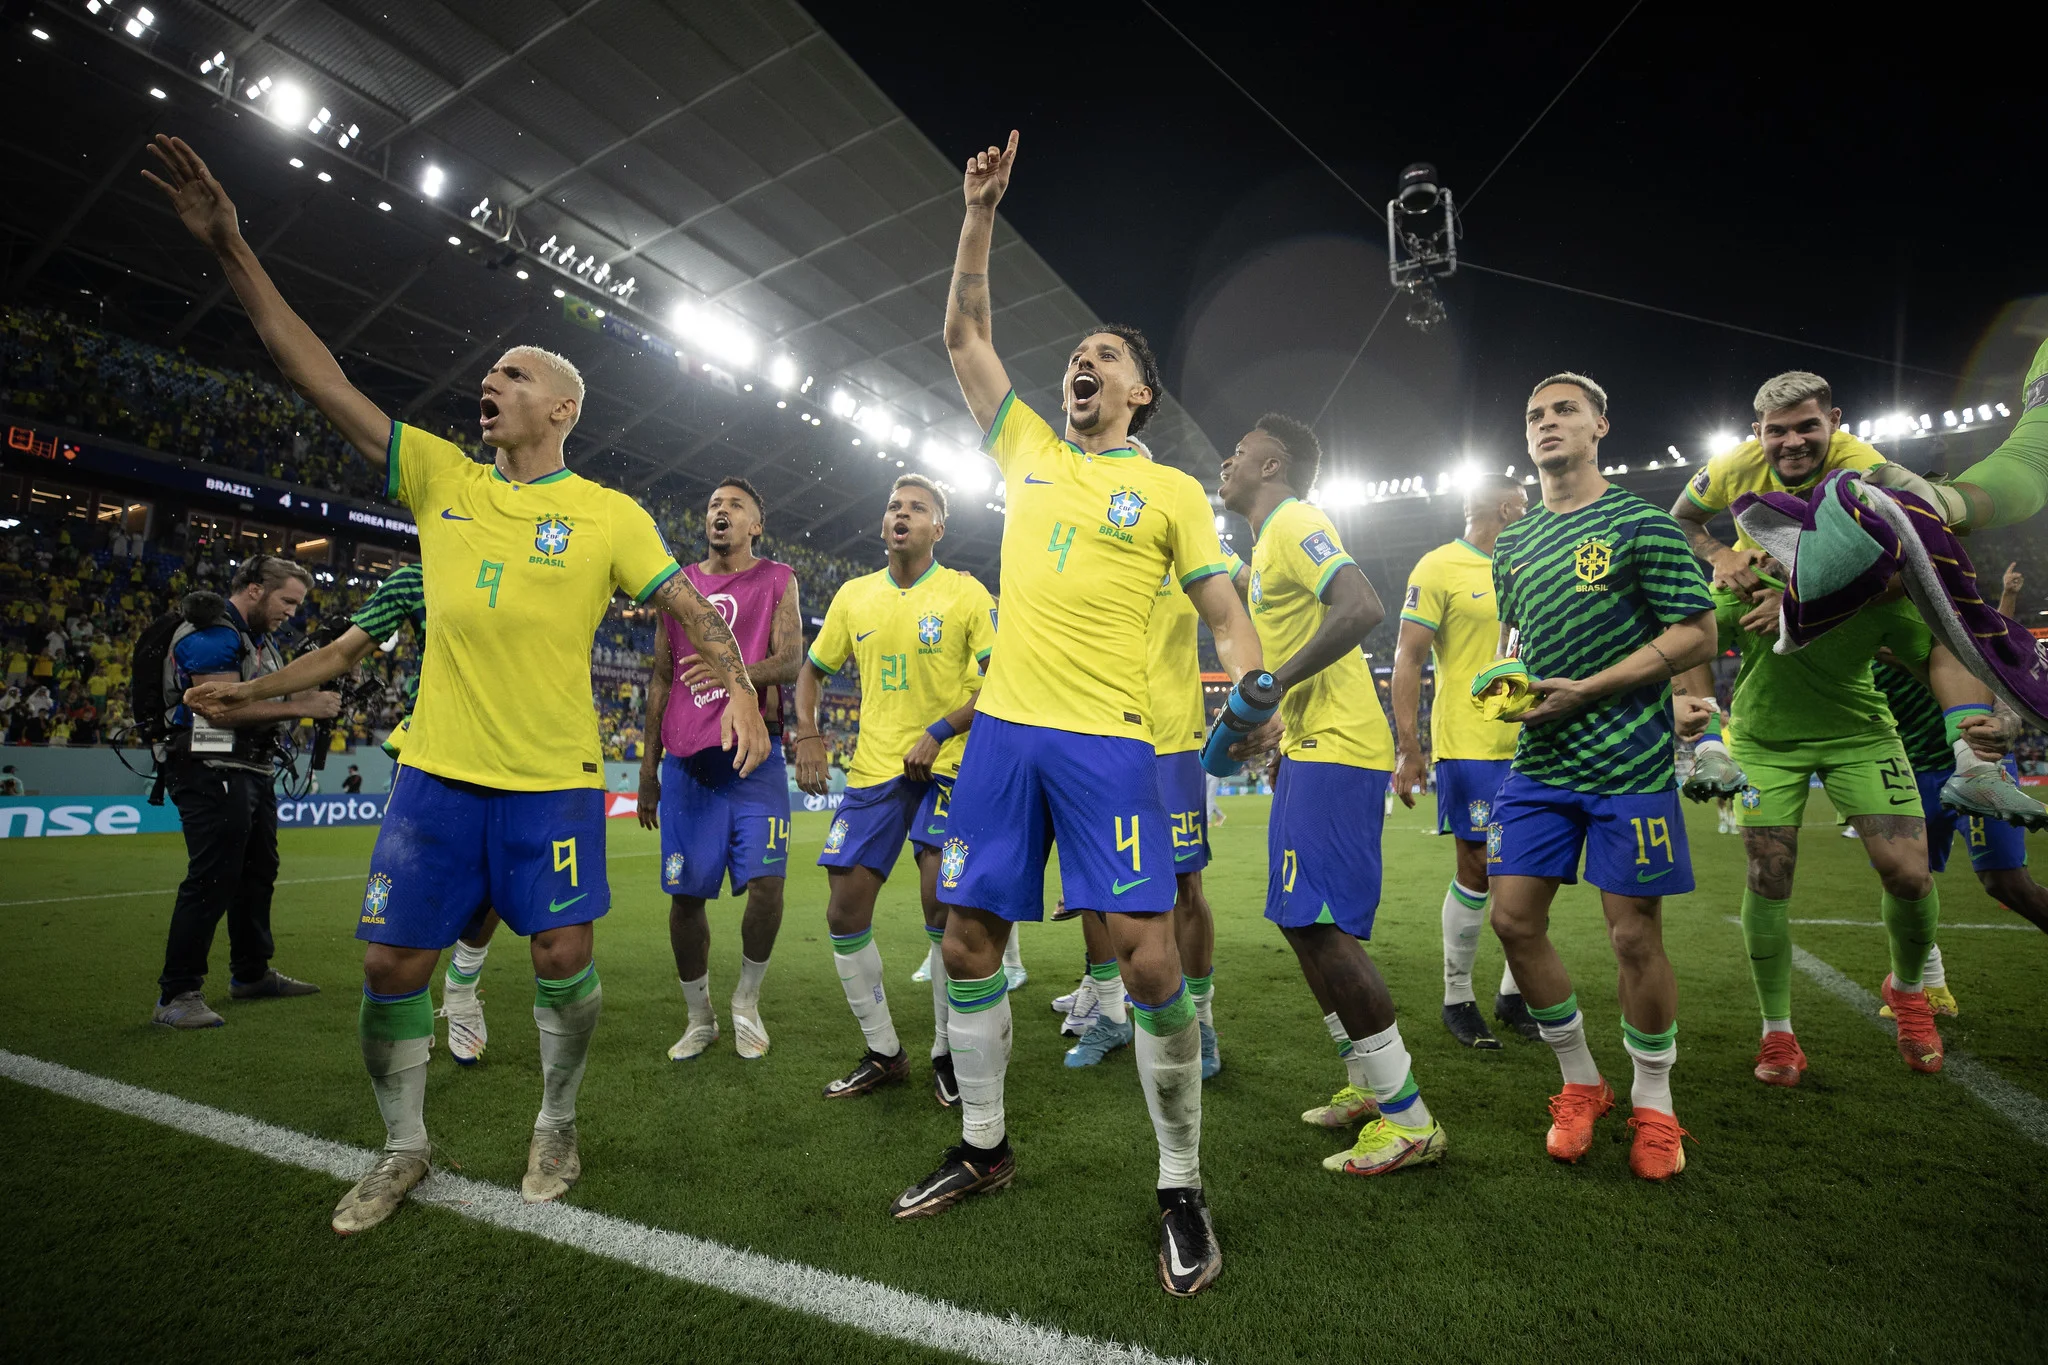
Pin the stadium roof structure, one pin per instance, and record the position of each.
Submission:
(708, 206)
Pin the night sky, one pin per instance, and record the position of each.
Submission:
(1848, 184)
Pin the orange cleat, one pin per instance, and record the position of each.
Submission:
(1919, 1042)
(1779, 1060)
(1659, 1150)
(1572, 1113)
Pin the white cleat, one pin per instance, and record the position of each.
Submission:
(379, 1193)
(749, 1037)
(552, 1166)
(924, 969)
(463, 1008)
(1086, 1009)
(695, 1040)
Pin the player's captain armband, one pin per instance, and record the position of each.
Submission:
(1502, 692)
(1319, 548)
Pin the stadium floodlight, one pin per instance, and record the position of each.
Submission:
(218, 59)
(296, 164)
(1926, 422)
(326, 179)
(431, 180)
(1219, 523)
(1863, 428)
(384, 204)
(145, 17)
(287, 103)
(136, 28)
(874, 421)
(156, 92)
(43, 37)
(2004, 411)
(455, 241)
(781, 402)
(710, 330)
(521, 274)
(561, 294)
(782, 372)
(1984, 411)
(1722, 441)
(1948, 419)
(1621, 469)
(842, 403)
(899, 436)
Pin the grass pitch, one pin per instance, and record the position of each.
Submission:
(1870, 1212)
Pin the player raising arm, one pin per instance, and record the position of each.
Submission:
(499, 800)
(1062, 737)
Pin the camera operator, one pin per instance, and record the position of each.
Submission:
(220, 777)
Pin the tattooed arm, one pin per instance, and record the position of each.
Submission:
(983, 381)
(1732, 567)
(741, 728)
(785, 642)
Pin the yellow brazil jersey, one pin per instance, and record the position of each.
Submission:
(517, 578)
(919, 651)
(1335, 716)
(1451, 593)
(1173, 671)
(1086, 541)
(1732, 473)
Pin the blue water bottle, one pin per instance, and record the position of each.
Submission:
(1251, 704)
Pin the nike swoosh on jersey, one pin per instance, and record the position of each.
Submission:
(1651, 876)
(449, 514)
(557, 907)
(1173, 1256)
(1033, 478)
(864, 635)
(1121, 887)
(1901, 800)
(1477, 595)
(776, 859)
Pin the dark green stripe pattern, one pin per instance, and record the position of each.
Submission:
(1918, 716)
(1586, 589)
(400, 599)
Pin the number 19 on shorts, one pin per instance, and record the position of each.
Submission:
(1652, 833)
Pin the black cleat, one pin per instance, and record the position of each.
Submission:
(1468, 1026)
(966, 1170)
(945, 1085)
(1189, 1259)
(872, 1072)
(271, 984)
(1513, 1011)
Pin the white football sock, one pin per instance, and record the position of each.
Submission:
(1777, 1026)
(981, 1054)
(1170, 1069)
(1652, 1087)
(942, 1004)
(1934, 975)
(1342, 1038)
(465, 962)
(1462, 914)
(1205, 1003)
(398, 1075)
(1568, 1041)
(1390, 1076)
(1013, 953)
(1966, 757)
(565, 1032)
(747, 995)
(697, 995)
(860, 976)
(1110, 991)
(1507, 981)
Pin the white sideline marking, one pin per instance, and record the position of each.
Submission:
(2022, 1108)
(868, 1307)
(289, 881)
(1944, 927)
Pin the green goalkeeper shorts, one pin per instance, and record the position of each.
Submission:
(1864, 777)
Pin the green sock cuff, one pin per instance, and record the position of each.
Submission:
(852, 943)
(1105, 971)
(1200, 985)
(1409, 1089)
(396, 1019)
(977, 994)
(1559, 1013)
(553, 995)
(456, 978)
(935, 935)
(1466, 898)
(1171, 1017)
(1713, 726)
(1650, 1042)
(1952, 719)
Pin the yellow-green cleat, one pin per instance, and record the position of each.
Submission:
(1384, 1147)
(1345, 1108)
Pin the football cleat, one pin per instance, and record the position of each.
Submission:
(1103, 1037)
(1940, 999)
(1658, 1152)
(1345, 1108)
(749, 1037)
(924, 970)
(696, 1038)
(186, 1010)
(1212, 1060)
(1464, 1023)
(1087, 1008)
(1015, 977)
(378, 1194)
(964, 1171)
(1384, 1146)
(1919, 1042)
(1988, 790)
(552, 1165)
(463, 1008)
(1512, 1012)
(1573, 1111)
(945, 1085)
(1189, 1259)
(1779, 1060)
(1715, 773)
(271, 983)
(871, 1072)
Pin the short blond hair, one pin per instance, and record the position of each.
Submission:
(1790, 389)
(564, 369)
(920, 481)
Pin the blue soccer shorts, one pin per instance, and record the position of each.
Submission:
(1323, 846)
(447, 851)
(871, 824)
(1634, 843)
(1465, 788)
(1993, 845)
(739, 828)
(1184, 791)
(1023, 787)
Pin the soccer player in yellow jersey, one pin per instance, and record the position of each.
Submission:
(1313, 608)
(918, 634)
(500, 797)
(1449, 613)
(1062, 744)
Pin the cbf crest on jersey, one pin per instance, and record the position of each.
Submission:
(1258, 592)
(672, 868)
(1125, 507)
(1751, 798)
(551, 535)
(835, 837)
(1493, 843)
(1478, 813)
(376, 896)
(931, 628)
(1591, 561)
(952, 862)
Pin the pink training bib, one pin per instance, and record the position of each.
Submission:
(746, 601)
